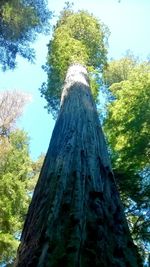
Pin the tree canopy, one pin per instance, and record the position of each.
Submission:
(129, 115)
(21, 21)
(15, 167)
(78, 37)
(127, 127)
(18, 173)
(11, 107)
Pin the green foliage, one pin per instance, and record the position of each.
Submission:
(129, 118)
(119, 70)
(127, 128)
(78, 37)
(15, 168)
(20, 22)
(18, 175)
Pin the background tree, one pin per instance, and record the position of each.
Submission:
(17, 175)
(128, 115)
(119, 70)
(130, 138)
(11, 107)
(15, 168)
(21, 21)
(75, 217)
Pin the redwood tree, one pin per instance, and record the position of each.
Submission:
(76, 218)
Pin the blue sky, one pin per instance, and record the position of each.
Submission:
(128, 22)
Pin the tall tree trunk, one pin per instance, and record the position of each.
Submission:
(75, 218)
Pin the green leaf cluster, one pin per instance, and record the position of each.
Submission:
(18, 175)
(128, 122)
(15, 167)
(127, 128)
(119, 70)
(20, 22)
(19, 18)
(78, 37)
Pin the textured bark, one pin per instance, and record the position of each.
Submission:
(75, 218)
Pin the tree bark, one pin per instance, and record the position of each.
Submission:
(76, 218)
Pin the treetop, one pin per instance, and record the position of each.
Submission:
(78, 37)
